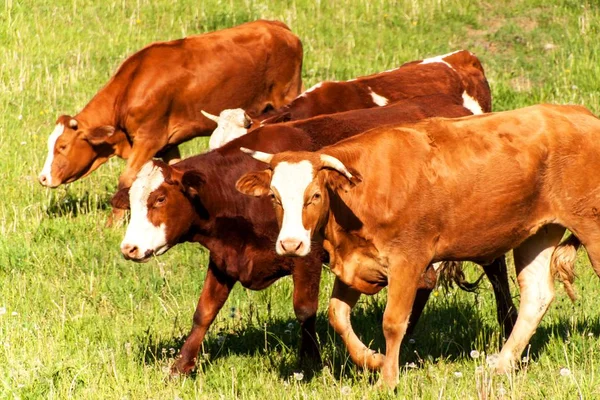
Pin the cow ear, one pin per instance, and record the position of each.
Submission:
(339, 182)
(121, 199)
(192, 180)
(98, 135)
(255, 184)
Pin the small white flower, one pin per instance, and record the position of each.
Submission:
(346, 390)
(163, 350)
(298, 376)
(171, 351)
(290, 326)
(574, 87)
(14, 313)
(590, 334)
(525, 360)
(411, 365)
(23, 143)
(474, 354)
(20, 386)
(458, 374)
(564, 371)
(287, 331)
(286, 383)
(2, 310)
(20, 117)
(411, 341)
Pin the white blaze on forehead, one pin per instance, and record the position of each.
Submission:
(141, 232)
(378, 99)
(439, 59)
(47, 169)
(471, 104)
(291, 180)
(230, 125)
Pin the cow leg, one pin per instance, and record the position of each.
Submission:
(343, 299)
(172, 156)
(214, 293)
(506, 311)
(426, 286)
(306, 303)
(536, 283)
(403, 280)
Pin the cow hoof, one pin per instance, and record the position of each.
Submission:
(182, 367)
(498, 364)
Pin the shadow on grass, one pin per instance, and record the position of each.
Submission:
(70, 204)
(447, 331)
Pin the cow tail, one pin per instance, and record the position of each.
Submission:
(451, 272)
(563, 263)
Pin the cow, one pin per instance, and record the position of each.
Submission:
(154, 100)
(195, 200)
(458, 73)
(389, 202)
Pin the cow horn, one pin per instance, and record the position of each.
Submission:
(258, 155)
(333, 163)
(210, 116)
(73, 123)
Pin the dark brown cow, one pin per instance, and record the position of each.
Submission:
(195, 200)
(153, 102)
(393, 200)
(457, 74)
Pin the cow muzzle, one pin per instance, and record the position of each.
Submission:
(47, 181)
(134, 253)
(292, 247)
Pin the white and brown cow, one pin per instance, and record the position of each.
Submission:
(154, 100)
(392, 200)
(195, 200)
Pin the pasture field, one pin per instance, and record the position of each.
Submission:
(77, 320)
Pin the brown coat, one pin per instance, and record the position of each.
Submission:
(390, 201)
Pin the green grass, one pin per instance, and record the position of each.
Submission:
(82, 322)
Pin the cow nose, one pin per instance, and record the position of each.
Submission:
(291, 245)
(129, 250)
(43, 179)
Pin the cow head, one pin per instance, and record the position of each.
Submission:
(231, 124)
(299, 185)
(162, 205)
(75, 150)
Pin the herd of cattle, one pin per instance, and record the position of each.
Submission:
(391, 179)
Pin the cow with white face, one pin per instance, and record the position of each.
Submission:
(296, 183)
(154, 195)
(231, 124)
(75, 150)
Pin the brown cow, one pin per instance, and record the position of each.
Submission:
(457, 74)
(391, 201)
(153, 102)
(195, 200)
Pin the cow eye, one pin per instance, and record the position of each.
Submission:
(62, 147)
(274, 198)
(316, 196)
(160, 201)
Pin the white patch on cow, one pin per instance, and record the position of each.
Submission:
(290, 181)
(142, 233)
(378, 99)
(439, 59)
(315, 87)
(231, 125)
(471, 104)
(47, 169)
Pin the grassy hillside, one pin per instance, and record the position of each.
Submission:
(77, 320)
